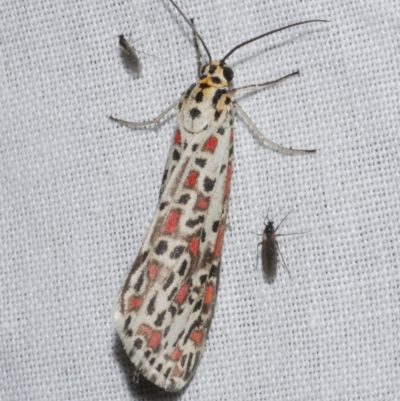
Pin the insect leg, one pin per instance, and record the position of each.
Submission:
(265, 84)
(283, 259)
(144, 123)
(262, 138)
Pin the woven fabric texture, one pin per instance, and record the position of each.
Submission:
(77, 193)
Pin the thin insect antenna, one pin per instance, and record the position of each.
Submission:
(283, 220)
(269, 33)
(283, 259)
(194, 29)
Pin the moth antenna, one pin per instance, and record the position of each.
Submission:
(269, 33)
(193, 28)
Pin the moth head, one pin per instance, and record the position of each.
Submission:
(217, 74)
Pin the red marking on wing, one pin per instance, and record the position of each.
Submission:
(145, 331)
(218, 242)
(194, 245)
(152, 271)
(208, 294)
(177, 372)
(176, 354)
(171, 221)
(228, 179)
(202, 203)
(182, 293)
(231, 138)
(191, 179)
(196, 336)
(210, 144)
(155, 339)
(134, 303)
(177, 137)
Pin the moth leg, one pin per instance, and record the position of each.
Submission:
(197, 48)
(263, 85)
(262, 138)
(144, 123)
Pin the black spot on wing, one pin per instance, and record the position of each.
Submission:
(162, 205)
(165, 175)
(169, 281)
(139, 283)
(151, 306)
(176, 155)
(215, 226)
(183, 267)
(194, 222)
(197, 307)
(213, 271)
(177, 252)
(161, 247)
(217, 115)
(208, 184)
(127, 323)
(160, 319)
(184, 199)
(201, 162)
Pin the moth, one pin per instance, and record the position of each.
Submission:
(166, 302)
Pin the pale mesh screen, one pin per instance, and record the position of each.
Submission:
(78, 192)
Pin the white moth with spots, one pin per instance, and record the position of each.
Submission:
(166, 303)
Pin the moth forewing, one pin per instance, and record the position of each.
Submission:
(166, 303)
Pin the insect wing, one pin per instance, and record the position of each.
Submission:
(129, 54)
(166, 303)
(269, 255)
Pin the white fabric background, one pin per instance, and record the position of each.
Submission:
(78, 192)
